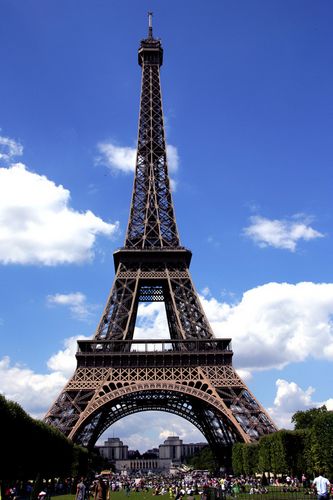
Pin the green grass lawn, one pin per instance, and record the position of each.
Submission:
(120, 495)
(271, 495)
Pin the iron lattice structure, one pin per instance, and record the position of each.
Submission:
(191, 374)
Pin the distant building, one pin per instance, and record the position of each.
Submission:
(143, 465)
(113, 449)
(171, 453)
(174, 449)
(171, 448)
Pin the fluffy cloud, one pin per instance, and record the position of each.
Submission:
(36, 391)
(76, 302)
(117, 157)
(151, 322)
(173, 158)
(122, 158)
(37, 224)
(64, 361)
(9, 148)
(283, 234)
(291, 398)
(276, 324)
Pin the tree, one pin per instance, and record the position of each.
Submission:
(204, 460)
(237, 458)
(287, 450)
(306, 419)
(321, 443)
(317, 424)
(250, 458)
(32, 447)
(264, 454)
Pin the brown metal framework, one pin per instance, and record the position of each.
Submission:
(191, 374)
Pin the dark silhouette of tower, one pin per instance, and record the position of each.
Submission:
(189, 374)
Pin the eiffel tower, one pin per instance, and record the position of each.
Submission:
(190, 373)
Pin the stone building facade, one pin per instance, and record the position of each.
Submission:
(172, 452)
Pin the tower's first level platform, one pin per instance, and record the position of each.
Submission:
(150, 353)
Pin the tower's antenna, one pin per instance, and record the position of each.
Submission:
(150, 25)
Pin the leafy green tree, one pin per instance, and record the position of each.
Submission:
(317, 426)
(264, 454)
(237, 458)
(32, 447)
(321, 443)
(250, 458)
(204, 460)
(295, 452)
(286, 450)
(306, 419)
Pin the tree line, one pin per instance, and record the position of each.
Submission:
(306, 450)
(29, 447)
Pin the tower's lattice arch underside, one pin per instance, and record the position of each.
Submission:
(195, 405)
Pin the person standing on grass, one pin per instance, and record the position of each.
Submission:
(101, 490)
(322, 486)
(80, 490)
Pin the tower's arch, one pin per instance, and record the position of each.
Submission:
(196, 404)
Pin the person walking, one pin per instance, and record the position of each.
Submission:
(322, 486)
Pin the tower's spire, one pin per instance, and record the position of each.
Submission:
(150, 25)
(152, 222)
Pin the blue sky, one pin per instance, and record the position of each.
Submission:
(247, 94)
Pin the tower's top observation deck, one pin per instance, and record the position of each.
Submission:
(150, 50)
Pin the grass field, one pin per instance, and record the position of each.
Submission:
(271, 495)
(120, 495)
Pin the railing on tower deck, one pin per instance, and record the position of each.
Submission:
(136, 346)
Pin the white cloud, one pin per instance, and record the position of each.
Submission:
(9, 148)
(276, 324)
(64, 361)
(151, 322)
(123, 158)
(37, 224)
(36, 391)
(117, 157)
(283, 233)
(291, 398)
(173, 158)
(244, 374)
(206, 292)
(33, 391)
(77, 303)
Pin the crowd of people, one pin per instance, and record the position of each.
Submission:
(189, 486)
